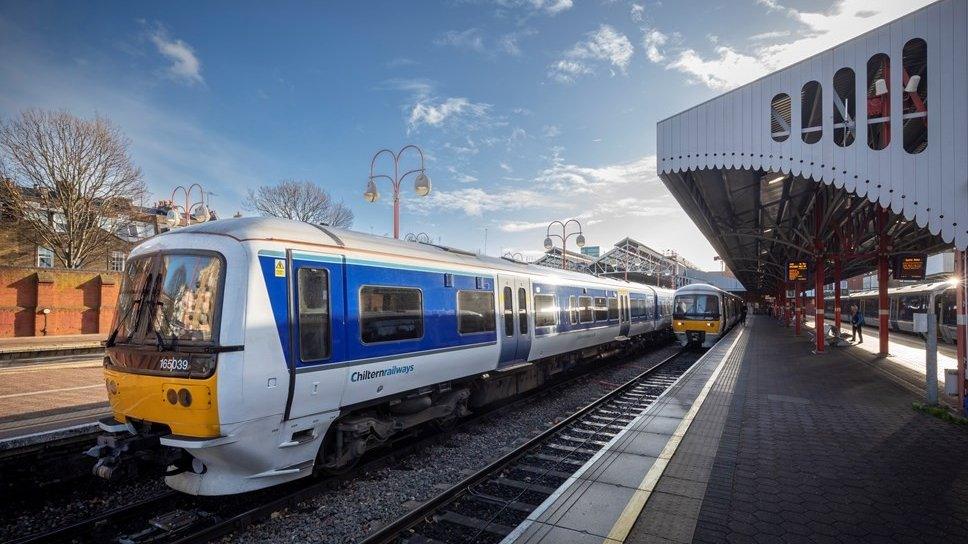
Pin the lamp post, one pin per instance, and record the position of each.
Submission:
(421, 184)
(564, 236)
(201, 212)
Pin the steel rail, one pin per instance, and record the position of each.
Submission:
(393, 532)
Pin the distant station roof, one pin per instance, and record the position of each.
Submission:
(789, 166)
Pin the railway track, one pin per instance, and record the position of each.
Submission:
(488, 505)
(174, 517)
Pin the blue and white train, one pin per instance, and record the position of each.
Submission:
(250, 352)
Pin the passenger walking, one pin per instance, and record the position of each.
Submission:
(857, 321)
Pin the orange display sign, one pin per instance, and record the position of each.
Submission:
(797, 270)
(910, 266)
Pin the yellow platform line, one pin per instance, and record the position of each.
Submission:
(620, 531)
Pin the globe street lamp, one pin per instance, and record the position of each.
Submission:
(421, 184)
(198, 211)
(564, 236)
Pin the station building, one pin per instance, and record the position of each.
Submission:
(846, 161)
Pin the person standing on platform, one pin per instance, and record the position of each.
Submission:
(857, 322)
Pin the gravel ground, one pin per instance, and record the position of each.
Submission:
(363, 504)
(84, 498)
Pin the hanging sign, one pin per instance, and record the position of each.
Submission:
(797, 270)
(910, 266)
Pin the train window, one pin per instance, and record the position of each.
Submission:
(313, 287)
(914, 78)
(475, 311)
(545, 311)
(573, 310)
(601, 309)
(523, 310)
(780, 117)
(845, 107)
(612, 308)
(390, 314)
(700, 306)
(878, 101)
(811, 120)
(508, 312)
(636, 307)
(585, 310)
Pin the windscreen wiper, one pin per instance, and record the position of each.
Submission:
(114, 333)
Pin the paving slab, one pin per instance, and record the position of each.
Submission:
(794, 447)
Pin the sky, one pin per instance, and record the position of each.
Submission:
(528, 111)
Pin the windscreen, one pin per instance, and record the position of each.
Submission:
(696, 306)
(186, 292)
(168, 298)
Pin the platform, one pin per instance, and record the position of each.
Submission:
(777, 444)
(38, 399)
(20, 350)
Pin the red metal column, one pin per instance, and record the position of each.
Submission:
(837, 295)
(883, 303)
(797, 308)
(961, 337)
(818, 274)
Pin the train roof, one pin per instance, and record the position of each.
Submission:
(913, 289)
(286, 230)
(694, 288)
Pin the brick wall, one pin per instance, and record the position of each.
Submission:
(80, 302)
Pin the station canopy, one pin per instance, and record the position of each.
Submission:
(789, 168)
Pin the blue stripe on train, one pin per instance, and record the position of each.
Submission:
(439, 306)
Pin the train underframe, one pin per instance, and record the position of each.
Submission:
(129, 448)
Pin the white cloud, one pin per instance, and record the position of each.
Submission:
(471, 39)
(550, 7)
(551, 131)
(475, 201)
(433, 113)
(725, 71)
(185, 65)
(567, 71)
(771, 35)
(729, 67)
(506, 167)
(653, 42)
(523, 226)
(604, 45)
(637, 12)
(572, 178)
(461, 177)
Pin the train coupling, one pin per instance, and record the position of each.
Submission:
(122, 454)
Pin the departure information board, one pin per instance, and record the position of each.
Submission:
(910, 266)
(797, 270)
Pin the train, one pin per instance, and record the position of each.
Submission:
(703, 313)
(904, 302)
(249, 352)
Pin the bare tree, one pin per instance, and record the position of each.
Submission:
(68, 181)
(299, 200)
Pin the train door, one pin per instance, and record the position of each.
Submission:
(318, 318)
(515, 330)
(624, 317)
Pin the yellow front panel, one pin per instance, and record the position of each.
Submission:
(683, 325)
(146, 397)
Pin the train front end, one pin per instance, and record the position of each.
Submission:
(174, 351)
(697, 317)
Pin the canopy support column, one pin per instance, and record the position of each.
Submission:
(819, 274)
(883, 304)
(837, 295)
(960, 330)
